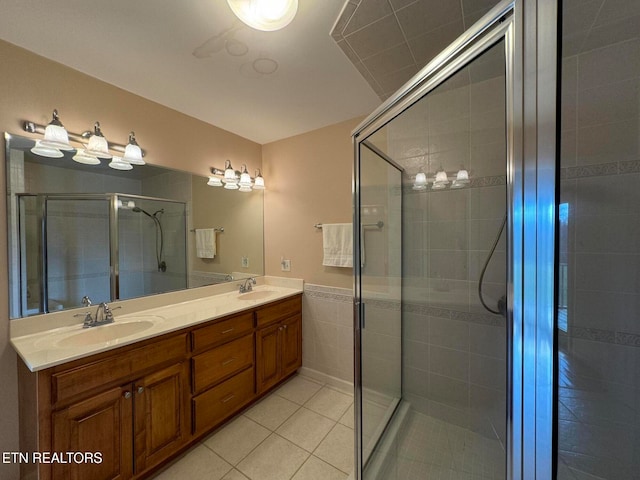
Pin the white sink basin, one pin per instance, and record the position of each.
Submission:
(105, 333)
(257, 295)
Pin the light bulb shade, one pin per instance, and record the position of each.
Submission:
(98, 147)
(133, 155)
(258, 184)
(231, 186)
(55, 136)
(82, 156)
(245, 178)
(133, 152)
(214, 182)
(118, 164)
(229, 175)
(265, 15)
(421, 179)
(462, 177)
(45, 151)
(244, 188)
(441, 178)
(438, 186)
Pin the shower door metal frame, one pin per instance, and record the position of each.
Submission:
(530, 31)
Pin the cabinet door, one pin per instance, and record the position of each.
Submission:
(291, 345)
(268, 366)
(161, 416)
(102, 423)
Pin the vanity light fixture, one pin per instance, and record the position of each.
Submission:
(258, 183)
(82, 156)
(420, 182)
(230, 177)
(117, 163)
(441, 180)
(55, 139)
(98, 145)
(95, 146)
(133, 152)
(265, 15)
(245, 180)
(235, 180)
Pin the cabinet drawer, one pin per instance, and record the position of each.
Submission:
(113, 370)
(221, 331)
(214, 365)
(278, 311)
(218, 403)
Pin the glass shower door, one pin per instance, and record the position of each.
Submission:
(77, 259)
(380, 292)
(432, 284)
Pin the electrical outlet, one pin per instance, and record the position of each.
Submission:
(286, 265)
(245, 262)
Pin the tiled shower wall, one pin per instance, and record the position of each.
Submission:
(454, 350)
(599, 271)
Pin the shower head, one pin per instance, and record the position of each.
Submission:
(138, 210)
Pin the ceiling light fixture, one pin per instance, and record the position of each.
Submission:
(265, 15)
(98, 145)
(258, 183)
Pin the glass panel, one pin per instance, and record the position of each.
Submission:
(598, 277)
(152, 248)
(451, 419)
(77, 251)
(381, 262)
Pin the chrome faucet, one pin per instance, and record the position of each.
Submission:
(246, 286)
(104, 315)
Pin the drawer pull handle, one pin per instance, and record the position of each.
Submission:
(140, 390)
(127, 394)
(228, 330)
(227, 362)
(229, 398)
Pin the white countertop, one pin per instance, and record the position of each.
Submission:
(46, 347)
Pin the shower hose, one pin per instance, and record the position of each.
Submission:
(484, 270)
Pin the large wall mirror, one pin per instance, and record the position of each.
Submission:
(79, 231)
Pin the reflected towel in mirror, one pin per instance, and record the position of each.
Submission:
(206, 242)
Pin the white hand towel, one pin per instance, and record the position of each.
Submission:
(337, 243)
(206, 242)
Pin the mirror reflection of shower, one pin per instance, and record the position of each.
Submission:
(162, 265)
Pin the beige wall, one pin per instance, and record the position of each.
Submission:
(308, 181)
(30, 87)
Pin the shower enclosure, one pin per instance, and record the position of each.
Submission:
(448, 292)
(103, 247)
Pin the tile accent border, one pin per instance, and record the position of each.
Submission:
(345, 295)
(597, 170)
(603, 336)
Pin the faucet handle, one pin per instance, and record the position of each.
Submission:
(88, 319)
(86, 301)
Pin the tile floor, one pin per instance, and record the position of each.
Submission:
(301, 431)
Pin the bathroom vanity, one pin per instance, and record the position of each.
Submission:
(142, 398)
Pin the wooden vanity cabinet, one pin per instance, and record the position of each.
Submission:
(141, 404)
(278, 342)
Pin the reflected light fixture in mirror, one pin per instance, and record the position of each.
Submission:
(265, 15)
(235, 180)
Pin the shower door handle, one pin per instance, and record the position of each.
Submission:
(360, 315)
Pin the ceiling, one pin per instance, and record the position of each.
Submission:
(388, 41)
(196, 57)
